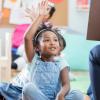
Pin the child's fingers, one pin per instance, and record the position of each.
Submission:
(27, 10)
(28, 16)
(46, 7)
(46, 3)
(30, 11)
(43, 3)
(43, 7)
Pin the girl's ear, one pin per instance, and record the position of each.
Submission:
(36, 49)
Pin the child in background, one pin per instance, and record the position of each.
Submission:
(49, 74)
(13, 90)
(18, 35)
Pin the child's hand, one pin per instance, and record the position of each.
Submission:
(31, 13)
(60, 97)
(43, 8)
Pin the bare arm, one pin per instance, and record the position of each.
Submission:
(31, 13)
(65, 84)
(29, 49)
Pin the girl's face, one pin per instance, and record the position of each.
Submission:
(49, 44)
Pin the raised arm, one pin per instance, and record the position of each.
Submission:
(29, 49)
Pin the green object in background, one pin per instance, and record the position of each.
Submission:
(82, 81)
(77, 50)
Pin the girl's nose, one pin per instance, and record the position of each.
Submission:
(52, 42)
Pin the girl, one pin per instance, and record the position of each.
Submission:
(49, 79)
(13, 90)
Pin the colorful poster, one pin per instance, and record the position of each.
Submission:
(18, 15)
(82, 4)
(56, 1)
(0, 10)
(12, 3)
(0, 5)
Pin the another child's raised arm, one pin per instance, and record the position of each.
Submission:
(30, 51)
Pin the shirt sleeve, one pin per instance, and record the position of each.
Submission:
(32, 64)
(63, 64)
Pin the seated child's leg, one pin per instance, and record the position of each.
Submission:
(74, 95)
(2, 86)
(10, 92)
(31, 92)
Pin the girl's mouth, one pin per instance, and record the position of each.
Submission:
(52, 48)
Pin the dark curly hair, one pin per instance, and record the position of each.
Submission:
(44, 28)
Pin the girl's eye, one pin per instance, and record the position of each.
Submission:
(46, 40)
(56, 40)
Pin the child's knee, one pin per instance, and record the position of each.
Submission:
(28, 89)
(76, 95)
(2, 85)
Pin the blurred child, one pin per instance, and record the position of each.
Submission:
(18, 35)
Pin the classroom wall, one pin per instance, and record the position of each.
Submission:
(77, 20)
(61, 16)
(59, 19)
(77, 50)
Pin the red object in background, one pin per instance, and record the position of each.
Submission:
(56, 1)
(84, 4)
(18, 35)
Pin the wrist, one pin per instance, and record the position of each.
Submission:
(41, 16)
(62, 95)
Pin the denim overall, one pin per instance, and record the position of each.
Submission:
(46, 82)
(46, 77)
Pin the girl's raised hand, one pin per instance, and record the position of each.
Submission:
(59, 97)
(31, 13)
(43, 7)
